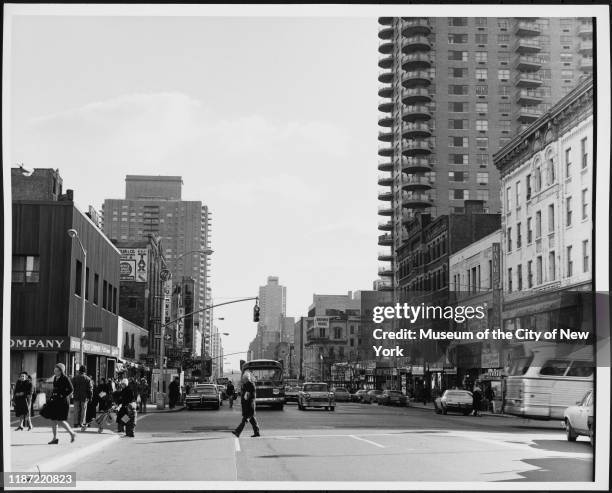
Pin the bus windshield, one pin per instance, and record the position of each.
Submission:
(520, 366)
(266, 373)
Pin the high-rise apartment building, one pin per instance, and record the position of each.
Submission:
(272, 301)
(153, 206)
(454, 91)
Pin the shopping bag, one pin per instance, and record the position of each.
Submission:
(40, 401)
(102, 395)
(125, 418)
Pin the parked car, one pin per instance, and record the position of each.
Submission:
(391, 398)
(316, 395)
(222, 389)
(370, 396)
(342, 394)
(291, 393)
(454, 400)
(579, 419)
(358, 396)
(204, 395)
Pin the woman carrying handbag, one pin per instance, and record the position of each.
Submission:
(58, 407)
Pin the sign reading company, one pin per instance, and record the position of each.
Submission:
(40, 343)
(133, 264)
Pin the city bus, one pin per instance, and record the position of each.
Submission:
(268, 379)
(543, 383)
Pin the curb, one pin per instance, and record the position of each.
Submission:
(501, 415)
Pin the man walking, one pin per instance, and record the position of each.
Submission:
(143, 391)
(174, 392)
(83, 392)
(231, 392)
(247, 401)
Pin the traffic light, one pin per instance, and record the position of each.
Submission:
(207, 368)
(256, 313)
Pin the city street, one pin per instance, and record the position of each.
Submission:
(355, 443)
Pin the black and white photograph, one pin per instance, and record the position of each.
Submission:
(306, 247)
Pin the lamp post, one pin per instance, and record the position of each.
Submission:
(73, 233)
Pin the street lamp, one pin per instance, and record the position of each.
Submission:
(73, 233)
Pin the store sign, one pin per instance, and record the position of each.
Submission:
(321, 322)
(133, 264)
(40, 343)
(418, 370)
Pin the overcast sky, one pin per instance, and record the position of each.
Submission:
(271, 122)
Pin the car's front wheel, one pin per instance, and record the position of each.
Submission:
(569, 431)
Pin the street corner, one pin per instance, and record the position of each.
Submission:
(31, 451)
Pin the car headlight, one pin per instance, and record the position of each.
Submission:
(276, 391)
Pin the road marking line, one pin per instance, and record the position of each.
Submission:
(237, 444)
(367, 441)
(142, 416)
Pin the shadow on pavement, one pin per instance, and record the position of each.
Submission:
(562, 446)
(555, 470)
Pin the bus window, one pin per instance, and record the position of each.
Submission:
(520, 366)
(555, 367)
(581, 369)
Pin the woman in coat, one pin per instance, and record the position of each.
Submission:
(22, 398)
(58, 407)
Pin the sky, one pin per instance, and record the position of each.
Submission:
(271, 122)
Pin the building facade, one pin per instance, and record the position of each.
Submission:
(454, 91)
(153, 206)
(133, 342)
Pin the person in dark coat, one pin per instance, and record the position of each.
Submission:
(58, 407)
(22, 399)
(477, 395)
(126, 416)
(174, 392)
(83, 392)
(143, 392)
(231, 393)
(247, 401)
(104, 396)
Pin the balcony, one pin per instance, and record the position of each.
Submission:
(385, 210)
(385, 195)
(526, 96)
(385, 240)
(386, 106)
(416, 147)
(385, 256)
(524, 28)
(386, 47)
(386, 62)
(384, 165)
(416, 95)
(415, 43)
(415, 183)
(385, 21)
(386, 151)
(586, 64)
(524, 46)
(385, 226)
(416, 78)
(416, 61)
(420, 129)
(585, 30)
(386, 121)
(416, 112)
(385, 76)
(386, 32)
(585, 47)
(385, 180)
(528, 115)
(529, 63)
(416, 200)
(526, 79)
(416, 165)
(385, 271)
(386, 136)
(385, 91)
(412, 26)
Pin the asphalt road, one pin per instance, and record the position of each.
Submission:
(355, 443)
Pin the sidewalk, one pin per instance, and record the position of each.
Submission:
(430, 407)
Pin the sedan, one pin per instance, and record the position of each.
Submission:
(454, 400)
(316, 395)
(391, 398)
(291, 393)
(371, 396)
(205, 395)
(579, 420)
(341, 394)
(358, 396)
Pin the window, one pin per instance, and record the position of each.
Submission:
(519, 238)
(503, 90)
(503, 57)
(529, 231)
(539, 270)
(481, 39)
(458, 194)
(482, 159)
(585, 255)
(550, 172)
(337, 333)
(567, 74)
(457, 107)
(583, 152)
(457, 176)
(115, 304)
(519, 277)
(510, 280)
(458, 141)
(457, 124)
(454, 39)
(481, 56)
(568, 162)
(458, 21)
(509, 238)
(537, 179)
(456, 72)
(482, 107)
(482, 195)
(568, 211)
(552, 271)
(110, 297)
(481, 74)
(551, 218)
(96, 288)
(480, 21)
(458, 55)
(503, 38)
(482, 125)
(87, 283)
(481, 90)
(482, 178)
(458, 158)
(104, 294)
(570, 264)
(321, 331)
(482, 142)
(529, 274)
(503, 74)
(504, 125)
(78, 278)
(585, 205)
(538, 224)
(26, 268)
(508, 199)
(517, 193)
(457, 89)
(554, 368)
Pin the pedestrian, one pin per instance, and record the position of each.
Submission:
(174, 392)
(477, 396)
(58, 407)
(231, 393)
(143, 392)
(247, 401)
(92, 406)
(22, 400)
(126, 416)
(103, 395)
(83, 392)
(489, 396)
